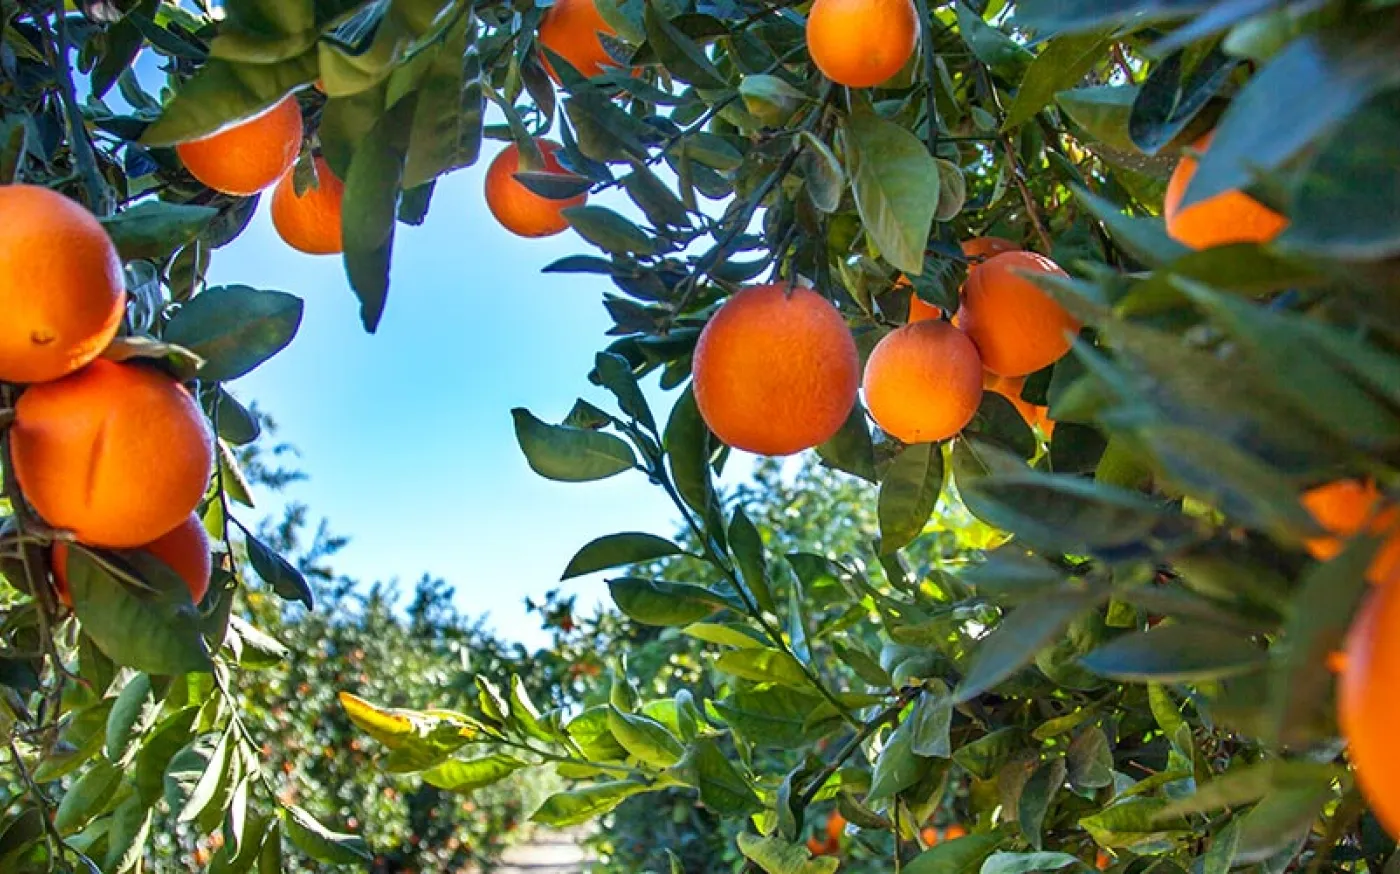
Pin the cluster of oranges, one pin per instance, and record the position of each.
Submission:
(118, 454)
(777, 371)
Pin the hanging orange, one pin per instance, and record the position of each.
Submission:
(520, 210)
(861, 43)
(571, 30)
(185, 550)
(310, 222)
(1017, 327)
(776, 370)
(249, 156)
(1343, 508)
(1228, 217)
(61, 287)
(923, 382)
(1368, 710)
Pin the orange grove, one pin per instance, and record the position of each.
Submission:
(776, 370)
(61, 286)
(1017, 327)
(1344, 508)
(119, 454)
(185, 550)
(923, 382)
(570, 29)
(1368, 708)
(520, 210)
(249, 156)
(310, 222)
(861, 43)
(1228, 217)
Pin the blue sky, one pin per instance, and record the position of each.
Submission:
(406, 434)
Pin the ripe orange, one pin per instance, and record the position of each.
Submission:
(185, 550)
(835, 826)
(249, 156)
(953, 832)
(776, 370)
(861, 43)
(518, 209)
(570, 29)
(61, 286)
(119, 454)
(310, 222)
(923, 382)
(1228, 217)
(1344, 508)
(818, 847)
(1103, 861)
(1017, 327)
(929, 836)
(1368, 708)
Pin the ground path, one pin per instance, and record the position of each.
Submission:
(547, 853)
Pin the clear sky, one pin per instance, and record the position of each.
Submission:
(406, 434)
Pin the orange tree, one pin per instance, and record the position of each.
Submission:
(1204, 197)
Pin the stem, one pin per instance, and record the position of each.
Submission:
(56, 845)
(926, 19)
(99, 195)
(855, 743)
(7, 418)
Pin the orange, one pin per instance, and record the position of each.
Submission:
(1018, 328)
(929, 836)
(61, 286)
(953, 832)
(776, 370)
(1103, 861)
(1368, 708)
(570, 29)
(1343, 508)
(1228, 217)
(310, 222)
(249, 156)
(861, 43)
(923, 382)
(835, 826)
(1010, 388)
(520, 210)
(185, 550)
(119, 454)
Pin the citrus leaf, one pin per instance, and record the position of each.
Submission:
(616, 550)
(277, 572)
(87, 797)
(908, 494)
(678, 53)
(155, 228)
(321, 843)
(580, 805)
(762, 666)
(963, 855)
(645, 739)
(1062, 64)
(747, 546)
(458, 775)
(896, 187)
(1174, 654)
(1022, 633)
(224, 92)
(567, 454)
(369, 208)
(659, 602)
(776, 856)
(235, 328)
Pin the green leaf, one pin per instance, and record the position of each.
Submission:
(277, 572)
(661, 205)
(895, 181)
(1246, 784)
(1090, 760)
(908, 494)
(617, 550)
(168, 738)
(590, 731)
(678, 53)
(136, 710)
(1063, 64)
(1133, 821)
(1174, 654)
(659, 602)
(87, 797)
(762, 666)
(645, 739)
(233, 422)
(126, 839)
(898, 767)
(615, 375)
(321, 843)
(722, 788)
(447, 119)
(257, 648)
(822, 171)
(1003, 54)
(223, 92)
(1037, 795)
(776, 856)
(608, 230)
(930, 722)
(747, 546)
(566, 454)
(1310, 87)
(155, 629)
(580, 805)
(373, 185)
(457, 775)
(1174, 94)
(155, 228)
(1144, 238)
(1070, 16)
(1345, 204)
(205, 790)
(773, 716)
(690, 446)
(1020, 634)
(1025, 863)
(235, 328)
(525, 715)
(851, 450)
(723, 635)
(963, 855)
(1102, 111)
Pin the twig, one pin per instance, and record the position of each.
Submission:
(55, 840)
(1032, 209)
(99, 195)
(926, 19)
(861, 736)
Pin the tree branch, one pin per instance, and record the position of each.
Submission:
(99, 194)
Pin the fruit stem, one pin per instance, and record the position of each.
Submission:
(99, 195)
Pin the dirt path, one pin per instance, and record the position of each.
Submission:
(548, 853)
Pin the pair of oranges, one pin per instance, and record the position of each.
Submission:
(118, 454)
(777, 371)
(254, 154)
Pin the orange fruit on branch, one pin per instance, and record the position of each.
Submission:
(776, 370)
(520, 210)
(923, 382)
(835, 826)
(861, 43)
(310, 222)
(248, 156)
(185, 550)
(1368, 710)
(1344, 509)
(119, 454)
(570, 29)
(1228, 217)
(1017, 327)
(953, 832)
(61, 286)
